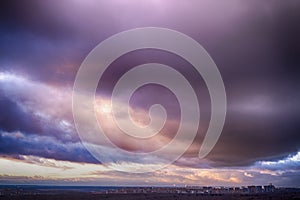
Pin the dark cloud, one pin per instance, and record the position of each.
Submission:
(24, 133)
(18, 143)
(258, 65)
(45, 59)
(31, 16)
(248, 138)
(14, 117)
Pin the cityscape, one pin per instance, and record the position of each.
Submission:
(187, 192)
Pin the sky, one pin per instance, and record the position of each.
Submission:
(255, 45)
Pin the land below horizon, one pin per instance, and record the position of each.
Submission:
(29, 192)
(88, 196)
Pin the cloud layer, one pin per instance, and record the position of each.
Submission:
(254, 44)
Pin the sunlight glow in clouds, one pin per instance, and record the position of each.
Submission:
(49, 169)
(103, 107)
(40, 168)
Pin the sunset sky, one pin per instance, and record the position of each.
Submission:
(255, 44)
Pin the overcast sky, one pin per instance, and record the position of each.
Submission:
(255, 45)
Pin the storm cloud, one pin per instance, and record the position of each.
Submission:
(255, 45)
